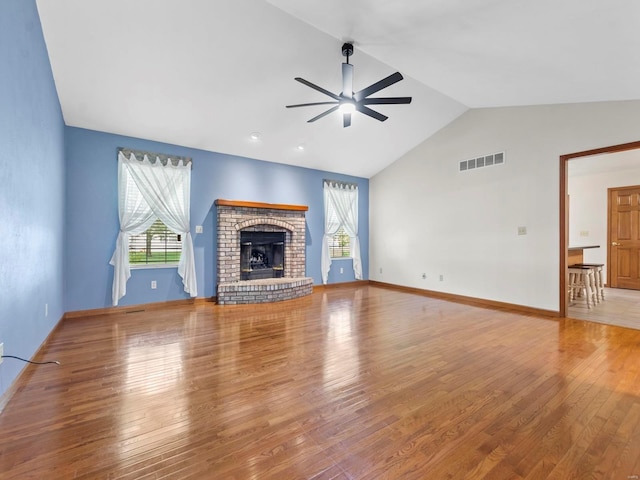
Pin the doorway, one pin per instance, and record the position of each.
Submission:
(564, 212)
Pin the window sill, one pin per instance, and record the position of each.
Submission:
(341, 258)
(152, 266)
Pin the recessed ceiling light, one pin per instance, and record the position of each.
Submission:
(300, 147)
(255, 135)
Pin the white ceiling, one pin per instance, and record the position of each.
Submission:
(208, 73)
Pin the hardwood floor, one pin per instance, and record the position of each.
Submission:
(348, 383)
(621, 307)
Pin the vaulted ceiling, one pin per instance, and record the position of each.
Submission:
(208, 73)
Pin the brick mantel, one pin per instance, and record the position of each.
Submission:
(236, 216)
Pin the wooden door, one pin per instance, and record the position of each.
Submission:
(624, 238)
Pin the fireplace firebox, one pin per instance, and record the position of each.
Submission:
(261, 255)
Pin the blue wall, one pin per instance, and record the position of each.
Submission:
(92, 216)
(31, 188)
(58, 200)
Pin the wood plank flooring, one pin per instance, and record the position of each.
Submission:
(621, 307)
(357, 382)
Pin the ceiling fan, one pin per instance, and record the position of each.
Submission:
(349, 101)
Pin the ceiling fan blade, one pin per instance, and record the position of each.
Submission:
(319, 89)
(331, 110)
(346, 120)
(347, 80)
(384, 83)
(311, 104)
(372, 113)
(385, 101)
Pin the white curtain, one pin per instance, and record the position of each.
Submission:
(147, 191)
(340, 210)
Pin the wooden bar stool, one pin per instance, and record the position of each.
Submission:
(580, 281)
(597, 278)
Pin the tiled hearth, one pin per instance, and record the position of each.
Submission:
(236, 216)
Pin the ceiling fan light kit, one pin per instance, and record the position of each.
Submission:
(349, 101)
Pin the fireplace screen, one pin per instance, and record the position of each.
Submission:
(261, 255)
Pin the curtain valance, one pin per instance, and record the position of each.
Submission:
(339, 184)
(154, 157)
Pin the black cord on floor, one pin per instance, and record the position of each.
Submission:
(29, 361)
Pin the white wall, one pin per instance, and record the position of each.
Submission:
(426, 217)
(588, 202)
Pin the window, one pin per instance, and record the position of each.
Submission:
(153, 207)
(340, 239)
(340, 245)
(157, 246)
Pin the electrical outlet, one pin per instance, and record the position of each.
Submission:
(441, 278)
(198, 228)
(1, 351)
(380, 269)
(522, 230)
(341, 270)
(154, 284)
(424, 276)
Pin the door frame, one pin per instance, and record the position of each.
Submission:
(564, 212)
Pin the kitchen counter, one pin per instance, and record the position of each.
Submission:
(576, 254)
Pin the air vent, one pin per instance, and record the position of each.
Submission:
(480, 162)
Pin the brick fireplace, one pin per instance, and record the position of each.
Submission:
(236, 217)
